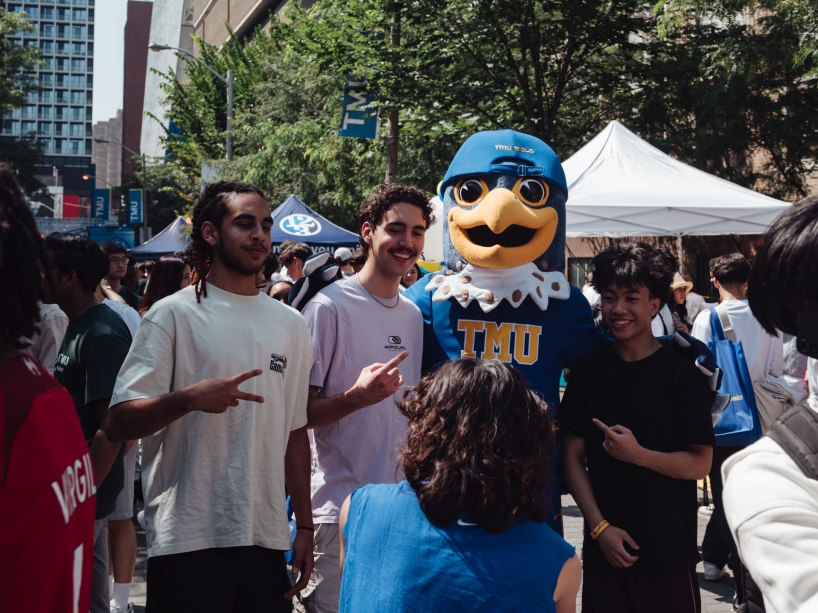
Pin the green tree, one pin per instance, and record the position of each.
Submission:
(17, 63)
(170, 191)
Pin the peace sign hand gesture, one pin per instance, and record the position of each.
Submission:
(217, 395)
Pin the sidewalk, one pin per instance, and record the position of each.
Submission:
(717, 596)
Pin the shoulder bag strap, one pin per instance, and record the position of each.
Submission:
(725, 323)
(796, 431)
(716, 329)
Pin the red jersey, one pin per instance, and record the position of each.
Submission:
(47, 492)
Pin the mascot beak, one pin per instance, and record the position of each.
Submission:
(500, 231)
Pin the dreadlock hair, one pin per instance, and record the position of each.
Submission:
(212, 207)
(23, 257)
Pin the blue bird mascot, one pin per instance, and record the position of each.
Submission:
(502, 294)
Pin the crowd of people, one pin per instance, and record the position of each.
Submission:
(305, 458)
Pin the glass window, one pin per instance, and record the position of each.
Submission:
(11, 127)
(46, 30)
(44, 128)
(89, 98)
(77, 48)
(60, 81)
(47, 12)
(31, 97)
(32, 11)
(90, 49)
(79, 2)
(15, 8)
(62, 30)
(91, 15)
(44, 96)
(61, 96)
(78, 113)
(46, 79)
(46, 144)
(89, 81)
(77, 32)
(62, 63)
(48, 63)
(63, 14)
(60, 129)
(61, 112)
(62, 48)
(76, 147)
(77, 97)
(90, 32)
(28, 127)
(77, 80)
(44, 112)
(30, 42)
(77, 130)
(77, 65)
(90, 65)
(59, 145)
(29, 112)
(79, 15)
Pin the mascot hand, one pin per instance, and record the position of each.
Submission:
(320, 270)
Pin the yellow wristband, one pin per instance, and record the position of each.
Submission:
(599, 529)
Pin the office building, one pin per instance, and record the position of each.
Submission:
(108, 156)
(137, 39)
(244, 16)
(59, 115)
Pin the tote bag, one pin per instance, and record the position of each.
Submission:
(738, 425)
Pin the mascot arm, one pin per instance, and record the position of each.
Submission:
(320, 270)
(418, 295)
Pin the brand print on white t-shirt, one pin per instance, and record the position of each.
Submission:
(278, 363)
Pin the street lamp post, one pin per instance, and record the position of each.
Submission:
(144, 181)
(228, 80)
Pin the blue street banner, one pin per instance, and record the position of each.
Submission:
(101, 207)
(359, 119)
(135, 206)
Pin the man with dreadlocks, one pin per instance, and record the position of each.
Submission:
(216, 458)
(46, 486)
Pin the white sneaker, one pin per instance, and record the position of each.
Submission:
(115, 609)
(713, 572)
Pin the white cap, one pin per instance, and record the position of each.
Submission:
(343, 254)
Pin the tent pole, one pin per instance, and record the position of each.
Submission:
(680, 254)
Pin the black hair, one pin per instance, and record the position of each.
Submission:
(627, 264)
(730, 269)
(785, 269)
(270, 265)
(80, 254)
(110, 248)
(22, 258)
(212, 207)
(165, 280)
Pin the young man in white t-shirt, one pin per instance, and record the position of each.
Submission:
(216, 457)
(765, 356)
(362, 328)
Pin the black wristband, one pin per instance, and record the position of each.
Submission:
(310, 528)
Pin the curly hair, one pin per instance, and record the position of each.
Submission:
(23, 258)
(165, 280)
(632, 263)
(785, 269)
(212, 207)
(387, 195)
(480, 443)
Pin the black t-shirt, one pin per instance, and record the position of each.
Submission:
(130, 296)
(91, 354)
(665, 401)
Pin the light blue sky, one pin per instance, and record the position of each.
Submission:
(109, 50)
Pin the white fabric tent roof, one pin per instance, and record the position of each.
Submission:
(619, 185)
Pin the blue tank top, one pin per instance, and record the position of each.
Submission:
(396, 560)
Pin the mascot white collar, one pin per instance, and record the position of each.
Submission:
(489, 286)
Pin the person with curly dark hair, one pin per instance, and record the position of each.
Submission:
(218, 542)
(362, 329)
(637, 434)
(170, 274)
(476, 467)
(46, 483)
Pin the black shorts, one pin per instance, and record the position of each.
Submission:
(624, 591)
(224, 580)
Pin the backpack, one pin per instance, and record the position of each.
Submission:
(796, 431)
(738, 425)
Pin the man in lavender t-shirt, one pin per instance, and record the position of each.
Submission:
(362, 329)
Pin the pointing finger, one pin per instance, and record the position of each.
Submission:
(620, 429)
(603, 427)
(250, 397)
(246, 375)
(394, 362)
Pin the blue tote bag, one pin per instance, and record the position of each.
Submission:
(738, 425)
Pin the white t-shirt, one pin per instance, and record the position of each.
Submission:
(351, 331)
(44, 344)
(764, 353)
(772, 510)
(217, 480)
(127, 313)
(812, 379)
(591, 295)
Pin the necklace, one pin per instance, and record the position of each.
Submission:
(378, 300)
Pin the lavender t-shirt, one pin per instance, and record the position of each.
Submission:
(352, 330)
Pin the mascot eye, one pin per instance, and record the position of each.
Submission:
(469, 192)
(531, 191)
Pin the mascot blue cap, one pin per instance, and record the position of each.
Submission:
(504, 200)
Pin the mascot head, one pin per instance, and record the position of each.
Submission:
(504, 200)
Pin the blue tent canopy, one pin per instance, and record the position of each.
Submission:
(173, 238)
(295, 221)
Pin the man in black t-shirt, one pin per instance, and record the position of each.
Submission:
(118, 258)
(637, 434)
(92, 351)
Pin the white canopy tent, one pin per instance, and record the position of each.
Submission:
(619, 185)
